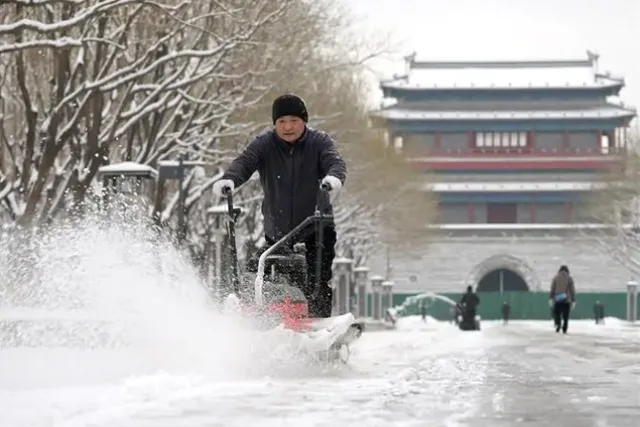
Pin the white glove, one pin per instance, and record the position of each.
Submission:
(222, 184)
(550, 303)
(573, 305)
(333, 183)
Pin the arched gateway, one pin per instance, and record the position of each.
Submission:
(503, 273)
(502, 280)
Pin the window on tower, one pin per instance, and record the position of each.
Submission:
(502, 213)
(501, 140)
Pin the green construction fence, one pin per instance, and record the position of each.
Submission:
(524, 305)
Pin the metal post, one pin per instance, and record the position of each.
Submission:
(210, 266)
(105, 191)
(181, 201)
(388, 270)
(632, 301)
(376, 297)
(217, 274)
(342, 285)
(501, 273)
(114, 175)
(361, 291)
(387, 295)
(175, 170)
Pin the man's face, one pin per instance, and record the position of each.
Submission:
(290, 128)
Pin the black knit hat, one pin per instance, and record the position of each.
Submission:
(289, 105)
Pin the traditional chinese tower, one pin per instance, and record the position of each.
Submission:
(511, 148)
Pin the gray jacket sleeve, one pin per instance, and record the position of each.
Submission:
(243, 166)
(331, 162)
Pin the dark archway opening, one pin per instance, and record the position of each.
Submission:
(502, 280)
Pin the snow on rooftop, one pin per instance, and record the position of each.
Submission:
(219, 209)
(222, 209)
(176, 163)
(457, 187)
(519, 226)
(127, 168)
(503, 74)
(594, 113)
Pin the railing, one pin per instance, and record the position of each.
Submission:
(363, 296)
(506, 151)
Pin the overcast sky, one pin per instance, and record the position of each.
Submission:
(507, 29)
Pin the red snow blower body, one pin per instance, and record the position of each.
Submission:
(280, 273)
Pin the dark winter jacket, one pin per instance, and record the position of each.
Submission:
(290, 175)
(506, 310)
(470, 301)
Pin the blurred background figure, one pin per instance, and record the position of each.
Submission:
(506, 312)
(598, 312)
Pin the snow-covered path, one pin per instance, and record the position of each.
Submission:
(433, 374)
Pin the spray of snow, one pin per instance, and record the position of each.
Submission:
(104, 298)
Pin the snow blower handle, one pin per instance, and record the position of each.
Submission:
(226, 191)
(322, 206)
(323, 200)
(233, 216)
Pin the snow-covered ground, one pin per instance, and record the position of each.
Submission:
(421, 374)
(105, 327)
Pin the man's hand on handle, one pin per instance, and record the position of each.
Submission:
(222, 187)
(332, 185)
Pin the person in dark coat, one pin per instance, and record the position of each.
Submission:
(293, 161)
(562, 298)
(506, 312)
(469, 303)
(598, 312)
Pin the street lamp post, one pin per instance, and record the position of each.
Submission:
(632, 301)
(175, 170)
(115, 175)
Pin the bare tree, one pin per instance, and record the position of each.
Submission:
(88, 82)
(613, 211)
(325, 63)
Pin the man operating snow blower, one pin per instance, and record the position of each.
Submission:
(294, 161)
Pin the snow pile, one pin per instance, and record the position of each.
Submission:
(610, 325)
(416, 323)
(614, 322)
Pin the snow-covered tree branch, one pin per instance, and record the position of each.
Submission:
(376, 206)
(92, 82)
(84, 83)
(613, 211)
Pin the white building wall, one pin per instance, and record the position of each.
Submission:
(447, 264)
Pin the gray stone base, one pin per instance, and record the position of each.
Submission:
(449, 264)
